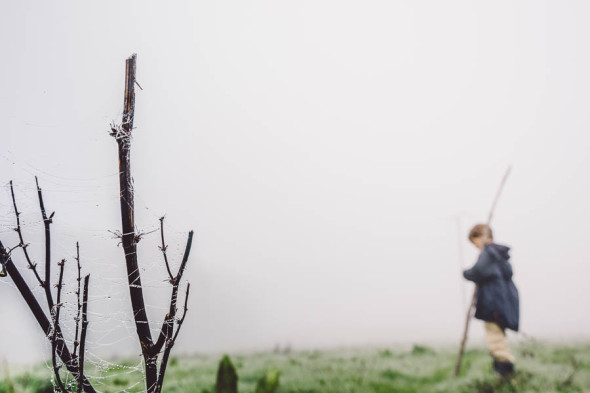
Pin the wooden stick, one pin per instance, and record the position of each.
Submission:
(461, 255)
(491, 215)
(473, 297)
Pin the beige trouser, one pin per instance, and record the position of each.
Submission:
(497, 345)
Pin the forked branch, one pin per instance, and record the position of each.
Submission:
(170, 342)
(167, 329)
(150, 349)
(52, 329)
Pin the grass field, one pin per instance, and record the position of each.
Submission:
(542, 368)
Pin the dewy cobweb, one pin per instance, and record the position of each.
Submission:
(50, 251)
(112, 356)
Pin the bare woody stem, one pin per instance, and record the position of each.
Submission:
(32, 266)
(127, 209)
(164, 248)
(54, 339)
(40, 316)
(81, 355)
(168, 326)
(170, 343)
(128, 238)
(79, 296)
(46, 222)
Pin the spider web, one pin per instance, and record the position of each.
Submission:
(113, 355)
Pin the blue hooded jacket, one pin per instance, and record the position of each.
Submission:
(497, 297)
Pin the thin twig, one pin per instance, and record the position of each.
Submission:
(181, 320)
(32, 266)
(170, 343)
(44, 323)
(78, 295)
(185, 256)
(55, 316)
(83, 335)
(46, 222)
(168, 325)
(164, 247)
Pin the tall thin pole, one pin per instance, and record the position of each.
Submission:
(473, 297)
(461, 254)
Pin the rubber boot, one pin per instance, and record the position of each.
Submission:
(505, 369)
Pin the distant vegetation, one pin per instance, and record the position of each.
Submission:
(542, 368)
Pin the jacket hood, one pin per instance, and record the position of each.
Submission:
(501, 254)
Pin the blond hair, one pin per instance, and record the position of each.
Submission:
(480, 230)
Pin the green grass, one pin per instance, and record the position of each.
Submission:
(541, 367)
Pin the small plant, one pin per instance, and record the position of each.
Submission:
(227, 377)
(567, 384)
(422, 350)
(269, 383)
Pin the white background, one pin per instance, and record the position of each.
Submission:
(327, 154)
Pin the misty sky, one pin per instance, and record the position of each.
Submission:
(330, 156)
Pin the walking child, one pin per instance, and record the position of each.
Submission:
(497, 301)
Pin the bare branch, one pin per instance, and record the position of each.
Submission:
(122, 135)
(78, 295)
(129, 239)
(187, 252)
(181, 320)
(164, 247)
(46, 223)
(32, 266)
(40, 316)
(81, 381)
(170, 343)
(168, 325)
(54, 338)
